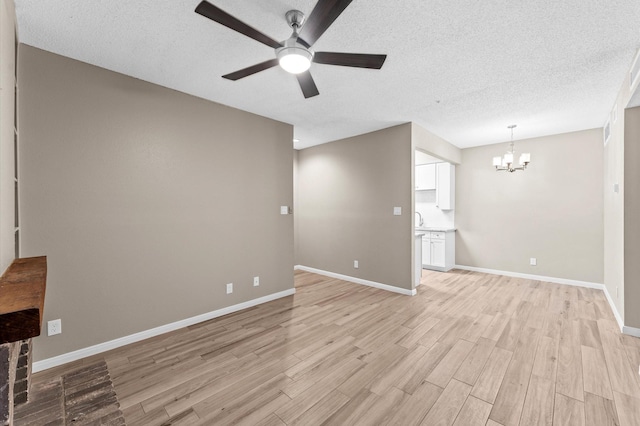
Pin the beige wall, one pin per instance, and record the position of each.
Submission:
(344, 211)
(147, 201)
(432, 144)
(7, 95)
(553, 211)
(631, 215)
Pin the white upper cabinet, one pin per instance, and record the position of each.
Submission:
(445, 186)
(425, 177)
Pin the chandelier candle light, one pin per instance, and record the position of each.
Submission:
(505, 163)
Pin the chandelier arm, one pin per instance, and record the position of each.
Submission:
(506, 163)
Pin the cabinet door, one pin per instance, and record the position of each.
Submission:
(438, 253)
(445, 186)
(425, 177)
(419, 177)
(426, 251)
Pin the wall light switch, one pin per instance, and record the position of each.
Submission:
(284, 210)
(397, 211)
(533, 261)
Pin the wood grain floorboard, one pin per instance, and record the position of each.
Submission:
(568, 411)
(468, 349)
(600, 411)
(475, 412)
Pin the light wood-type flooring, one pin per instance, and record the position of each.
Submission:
(468, 349)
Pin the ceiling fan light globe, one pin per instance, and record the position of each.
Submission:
(294, 60)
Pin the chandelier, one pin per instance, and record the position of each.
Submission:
(505, 163)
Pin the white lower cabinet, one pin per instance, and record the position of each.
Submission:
(426, 249)
(438, 250)
(437, 253)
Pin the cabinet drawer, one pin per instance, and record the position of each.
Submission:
(437, 235)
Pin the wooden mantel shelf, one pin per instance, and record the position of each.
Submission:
(22, 289)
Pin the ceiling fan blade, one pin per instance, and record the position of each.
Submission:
(360, 60)
(307, 84)
(245, 72)
(214, 13)
(321, 17)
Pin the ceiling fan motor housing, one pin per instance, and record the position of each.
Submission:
(295, 19)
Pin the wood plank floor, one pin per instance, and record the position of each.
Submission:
(469, 349)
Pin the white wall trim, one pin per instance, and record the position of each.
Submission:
(614, 309)
(355, 280)
(136, 337)
(631, 331)
(554, 280)
(624, 329)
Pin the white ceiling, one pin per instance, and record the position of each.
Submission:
(462, 69)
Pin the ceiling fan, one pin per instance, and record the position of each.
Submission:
(295, 55)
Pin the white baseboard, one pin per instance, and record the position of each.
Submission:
(624, 329)
(355, 280)
(136, 337)
(615, 310)
(631, 331)
(554, 280)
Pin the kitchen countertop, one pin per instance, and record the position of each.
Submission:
(434, 229)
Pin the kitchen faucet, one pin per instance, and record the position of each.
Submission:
(420, 223)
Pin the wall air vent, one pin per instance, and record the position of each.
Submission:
(634, 76)
(607, 132)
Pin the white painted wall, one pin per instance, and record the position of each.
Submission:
(432, 215)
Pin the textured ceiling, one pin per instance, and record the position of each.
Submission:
(462, 69)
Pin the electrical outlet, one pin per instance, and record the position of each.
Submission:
(54, 327)
(533, 261)
(355, 264)
(229, 288)
(256, 281)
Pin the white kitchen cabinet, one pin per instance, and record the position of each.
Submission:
(439, 250)
(425, 177)
(437, 253)
(417, 260)
(445, 186)
(426, 249)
